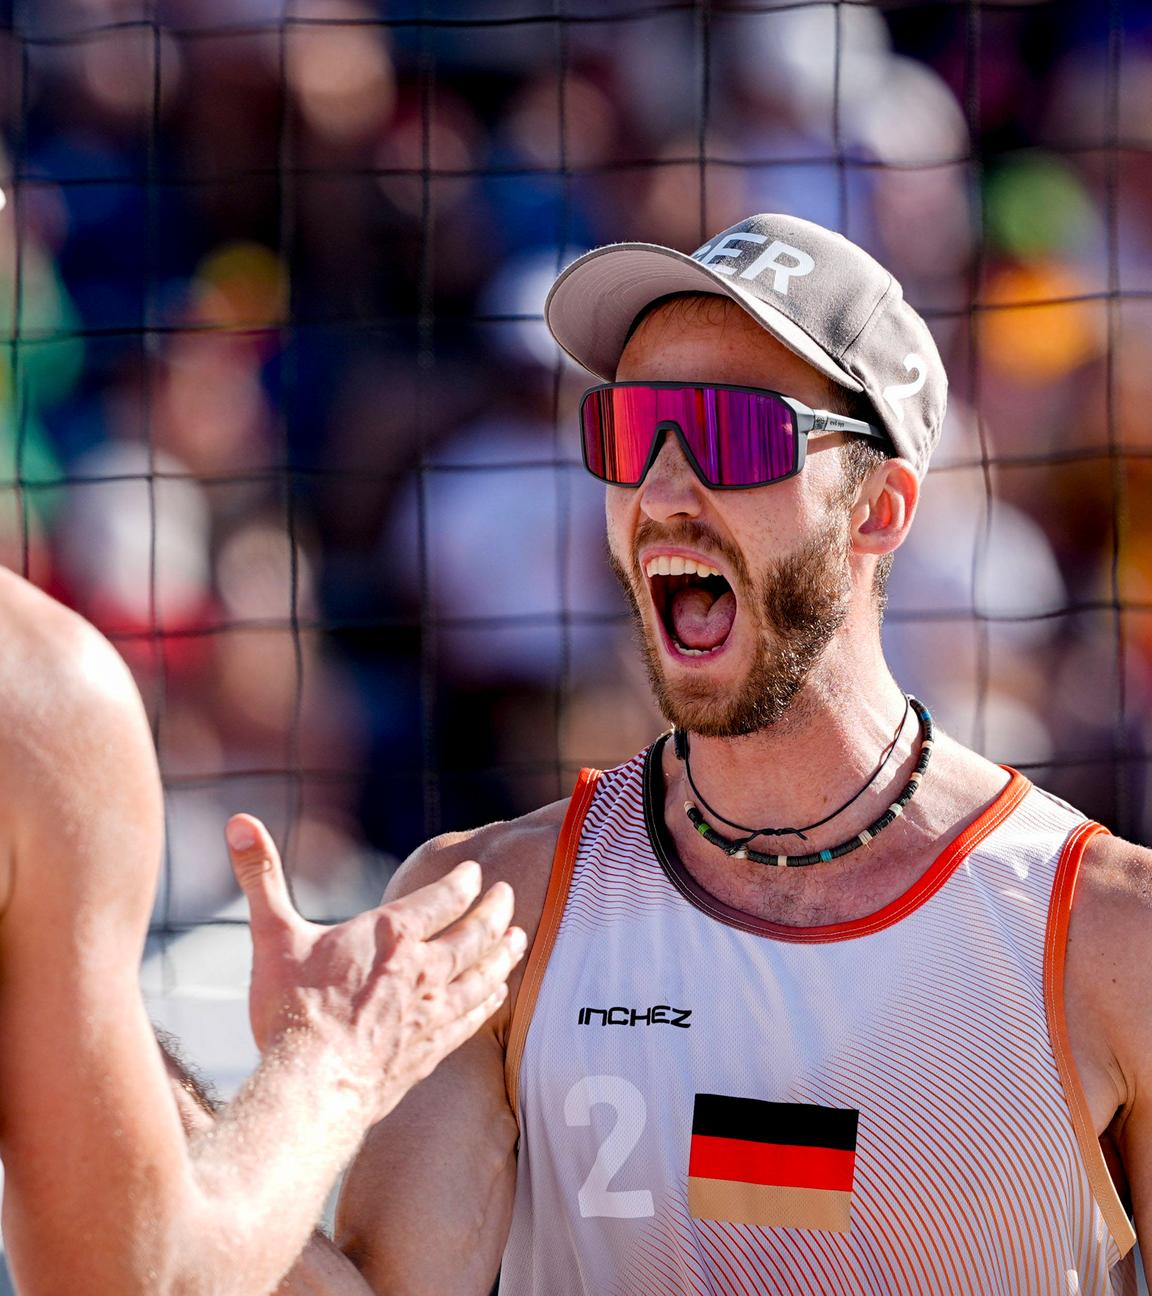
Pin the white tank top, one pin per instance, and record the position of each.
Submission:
(711, 1103)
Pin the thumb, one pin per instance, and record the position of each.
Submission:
(256, 864)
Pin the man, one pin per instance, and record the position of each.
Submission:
(808, 1007)
(103, 1193)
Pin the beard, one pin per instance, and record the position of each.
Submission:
(798, 604)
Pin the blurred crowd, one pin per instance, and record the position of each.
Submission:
(279, 414)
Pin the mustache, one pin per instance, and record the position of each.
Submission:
(692, 535)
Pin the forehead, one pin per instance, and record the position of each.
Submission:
(710, 339)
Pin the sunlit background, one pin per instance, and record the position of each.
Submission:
(279, 414)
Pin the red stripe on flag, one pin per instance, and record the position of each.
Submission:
(777, 1164)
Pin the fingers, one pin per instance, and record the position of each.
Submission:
(450, 1037)
(485, 978)
(430, 909)
(475, 935)
(256, 864)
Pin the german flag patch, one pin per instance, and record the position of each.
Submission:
(775, 1165)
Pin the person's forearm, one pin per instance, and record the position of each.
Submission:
(225, 1210)
(259, 1194)
(322, 1269)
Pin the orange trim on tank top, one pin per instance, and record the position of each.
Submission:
(1055, 949)
(560, 879)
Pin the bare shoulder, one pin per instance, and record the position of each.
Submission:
(74, 740)
(1108, 984)
(53, 661)
(516, 851)
(1112, 908)
(66, 698)
(1117, 865)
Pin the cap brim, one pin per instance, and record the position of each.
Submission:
(593, 303)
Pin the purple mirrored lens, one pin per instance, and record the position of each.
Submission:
(738, 438)
(742, 438)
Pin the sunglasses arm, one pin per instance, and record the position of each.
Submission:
(826, 421)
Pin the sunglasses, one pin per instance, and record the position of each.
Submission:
(734, 437)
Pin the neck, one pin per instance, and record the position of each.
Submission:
(808, 764)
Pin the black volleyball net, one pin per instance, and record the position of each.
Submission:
(278, 411)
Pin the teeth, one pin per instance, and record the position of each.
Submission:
(675, 565)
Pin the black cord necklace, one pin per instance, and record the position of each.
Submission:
(739, 849)
(682, 746)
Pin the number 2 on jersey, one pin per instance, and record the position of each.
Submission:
(595, 1198)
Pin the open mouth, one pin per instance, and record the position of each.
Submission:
(695, 604)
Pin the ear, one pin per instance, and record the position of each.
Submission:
(885, 507)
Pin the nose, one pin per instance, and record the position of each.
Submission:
(671, 488)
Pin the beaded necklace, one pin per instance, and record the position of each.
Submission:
(681, 745)
(740, 849)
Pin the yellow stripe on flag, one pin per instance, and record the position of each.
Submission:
(768, 1206)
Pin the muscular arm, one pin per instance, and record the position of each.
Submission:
(1108, 990)
(426, 1206)
(103, 1193)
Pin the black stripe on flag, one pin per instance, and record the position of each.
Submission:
(795, 1124)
